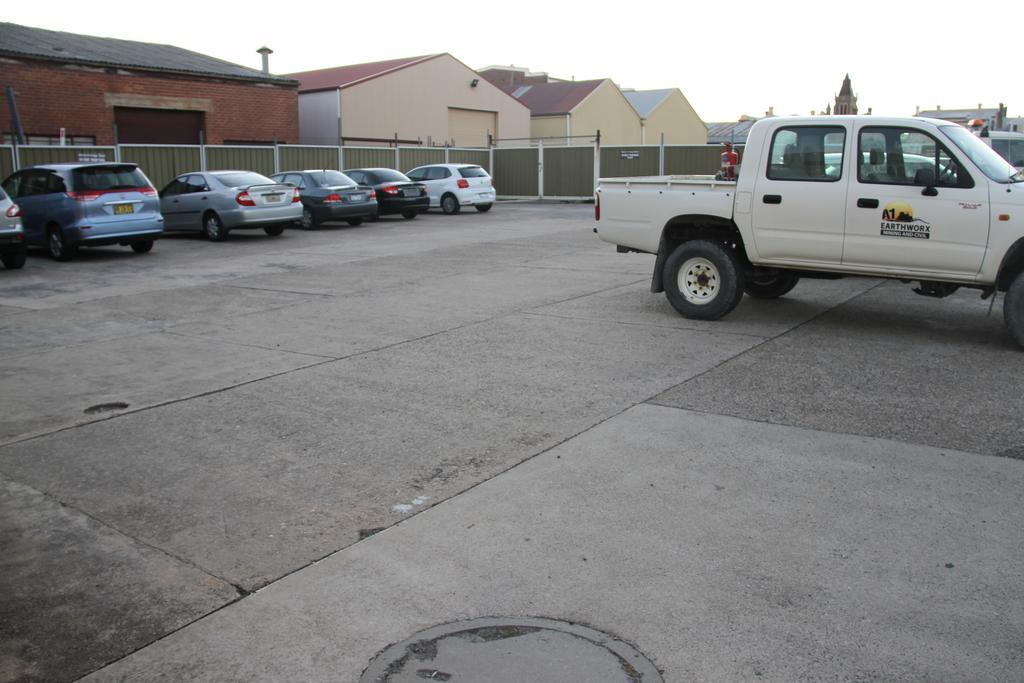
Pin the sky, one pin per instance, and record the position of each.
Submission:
(728, 59)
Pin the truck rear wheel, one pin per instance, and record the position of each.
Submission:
(1013, 309)
(703, 280)
(769, 283)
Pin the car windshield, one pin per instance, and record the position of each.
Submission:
(990, 163)
(386, 175)
(472, 172)
(100, 178)
(242, 179)
(330, 178)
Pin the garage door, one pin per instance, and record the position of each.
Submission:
(469, 127)
(158, 126)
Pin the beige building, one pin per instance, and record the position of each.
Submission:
(431, 100)
(566, 109)
(668, 113)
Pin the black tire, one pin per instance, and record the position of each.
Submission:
(483, 208)
(450, 205)
(275, 230)
(409, 215)
(703, 279)
(213, 228)
(143, 247)
(354, 222)
(309, 221)
(769, 283)
(60, 250)
(1013, 309)
(374, 217)
(13, 260)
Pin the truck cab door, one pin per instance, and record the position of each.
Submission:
(795, 210)
(913, 206)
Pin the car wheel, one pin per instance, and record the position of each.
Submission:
(449, 204)
(1013, 309)
(354, 221)
(483, 208)
(769, 283)
(14, 260)
(213, 228)
(274, 230)
(308, 220)
(143, 247)
(60, 250)
(409, 215)
(703, 279)
(374, 217)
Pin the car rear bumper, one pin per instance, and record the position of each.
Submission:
(120, 238)
(259, 216)
(326, 212)
(115, 232)
(401, 204)
(473, 196)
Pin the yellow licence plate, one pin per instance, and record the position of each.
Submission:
(123, 208)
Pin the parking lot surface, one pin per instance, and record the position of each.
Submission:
(271, 458)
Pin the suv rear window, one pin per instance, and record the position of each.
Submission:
(472, 172)
(120, 177)
(242, 179)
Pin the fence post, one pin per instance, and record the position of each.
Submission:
(597, 158)
(398, 159)
(277, 156)
(446, 151)
(117, 146)
(202, 151)
(661, 156)
(540, 169)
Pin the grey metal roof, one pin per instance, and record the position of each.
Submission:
(644, 101)
(38, 43)
(729, 131)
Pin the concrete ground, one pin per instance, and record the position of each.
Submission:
(269, 459)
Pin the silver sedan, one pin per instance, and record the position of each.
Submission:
(216, 202)
(12, 236)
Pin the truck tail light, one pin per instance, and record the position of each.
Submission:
(597, 207)
(463, 183)
(14, 211)
(296, 197)
(244, 199)
(332, 199)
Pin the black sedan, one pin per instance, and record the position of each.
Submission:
(395, 192)
(330, 195)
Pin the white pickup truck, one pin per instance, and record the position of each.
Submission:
(911, 199)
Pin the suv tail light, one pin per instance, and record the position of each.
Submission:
(148, 191)
(244, 199)
(296, 197)
(463, 183)
(597, 207)
(332, 199)
(86, 195)
(14, 211)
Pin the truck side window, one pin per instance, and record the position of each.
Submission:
(807, 153)
(901, 156)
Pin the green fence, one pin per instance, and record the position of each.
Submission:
(480, 157)
(259, 159)
(6, 161)
(32, 155)
(694, 159)
(162, 164)
(306, 158)
(516, 172)
(369, 157)
(568, 172)
(625, 162)
(411, 157)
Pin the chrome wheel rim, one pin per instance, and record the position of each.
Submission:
(307, 219)
(699, 281)
(56, 245)
(212, 228)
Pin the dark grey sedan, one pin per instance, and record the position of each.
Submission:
(330, 195)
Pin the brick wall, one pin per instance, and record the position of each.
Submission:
(51, 96)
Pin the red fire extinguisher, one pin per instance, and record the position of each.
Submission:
(729, 161)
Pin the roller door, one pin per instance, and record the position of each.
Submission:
(469, 127)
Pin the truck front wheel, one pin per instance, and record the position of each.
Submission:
(769, 283)
(1013, 309)
(703, 280)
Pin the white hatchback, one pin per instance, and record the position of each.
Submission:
(452, 186)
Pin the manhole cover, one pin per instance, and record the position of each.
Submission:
(499, 650)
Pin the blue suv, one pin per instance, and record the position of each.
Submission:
(67, 206)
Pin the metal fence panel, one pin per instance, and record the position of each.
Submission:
(162, 164)
(480, 157)
(38, 154)
(629, 162)
(569, 172)
(6, 161)
(411, 157)
(307, 158)
(258, 159)
(693, 159)
(369, 157)
(515, 172)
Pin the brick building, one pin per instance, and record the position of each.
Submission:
(157, 94)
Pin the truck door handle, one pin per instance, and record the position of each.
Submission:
(867, 203)
(772, 199)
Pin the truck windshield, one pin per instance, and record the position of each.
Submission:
(990, 163)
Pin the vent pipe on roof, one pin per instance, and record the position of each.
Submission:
(266, 52)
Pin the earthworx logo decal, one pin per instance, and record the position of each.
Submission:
(898, 221)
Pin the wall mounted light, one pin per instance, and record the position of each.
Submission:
(473, 83)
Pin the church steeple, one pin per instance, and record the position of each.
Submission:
(846, 101)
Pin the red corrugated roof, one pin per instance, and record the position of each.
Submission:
(344, 76)
(545, 99)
